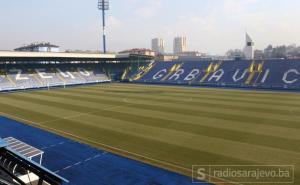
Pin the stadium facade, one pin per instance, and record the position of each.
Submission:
(158, 45)
(179, 45)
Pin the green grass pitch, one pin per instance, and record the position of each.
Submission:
(172, 127)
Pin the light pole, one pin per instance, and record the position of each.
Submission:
(103, 5)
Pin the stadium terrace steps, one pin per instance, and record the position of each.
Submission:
(24, 78)
(273, 74)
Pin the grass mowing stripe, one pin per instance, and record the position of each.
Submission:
(220, 115)
(219, 92)
(167, 92)
(198, 147)
(37, 107)
(241, 150)
(261, 107)
(290, 124)
(273, 131)
(145, 146)
(244, 137)
(80, 127)
(210, 105)
(272, 102)
(24, 113)
(197, 88)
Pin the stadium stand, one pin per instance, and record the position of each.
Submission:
(19, 77)
(273, 74)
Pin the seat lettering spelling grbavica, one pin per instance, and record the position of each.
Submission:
(282, 74)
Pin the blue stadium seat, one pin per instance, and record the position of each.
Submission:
(282, 74)
(40, 77)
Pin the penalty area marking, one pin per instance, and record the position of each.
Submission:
(162, 164)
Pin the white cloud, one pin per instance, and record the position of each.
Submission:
(149, 8)
(114, 23)
(237, 6)
(271, 28)
(200, 31)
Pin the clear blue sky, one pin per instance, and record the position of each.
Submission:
(212, 26)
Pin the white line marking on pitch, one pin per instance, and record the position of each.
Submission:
(51, 146)
(80, 162)
(87, 113)
(81, 114)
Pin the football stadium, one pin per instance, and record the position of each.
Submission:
(134, 118)
(127, 120)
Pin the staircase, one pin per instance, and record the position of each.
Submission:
(255, 68)
(143, 71)
(213, 67)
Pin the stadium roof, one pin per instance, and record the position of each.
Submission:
(53, 56)
(22, 148)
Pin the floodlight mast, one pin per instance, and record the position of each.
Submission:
(103, 5)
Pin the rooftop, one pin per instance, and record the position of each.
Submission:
(38, 44)
(16, 56)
